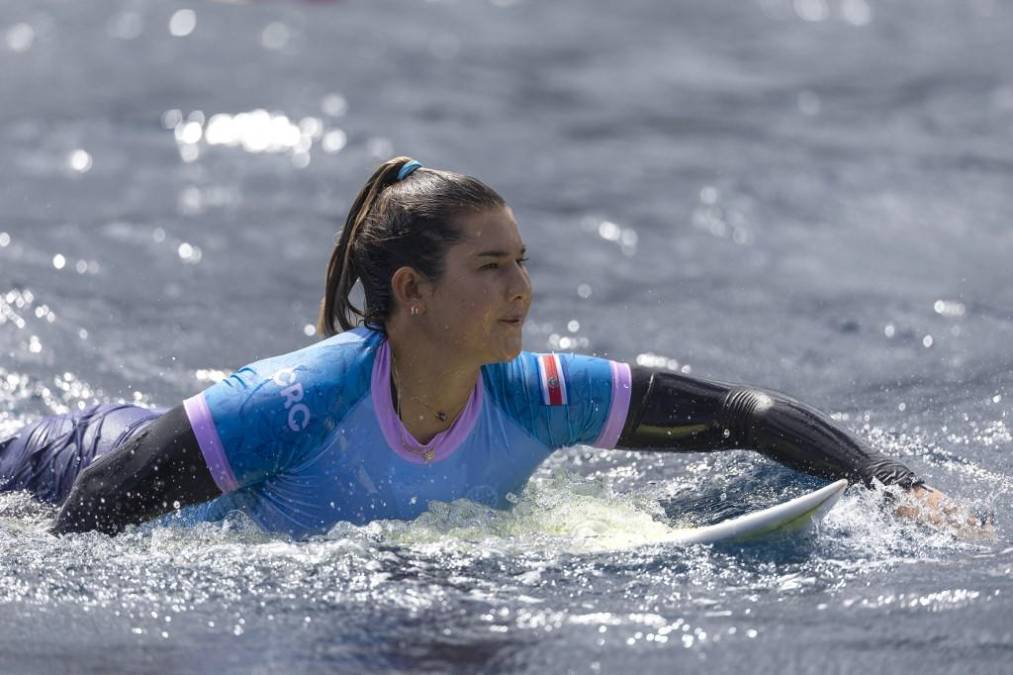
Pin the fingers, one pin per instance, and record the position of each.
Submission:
(927, 505)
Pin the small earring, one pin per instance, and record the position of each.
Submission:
(414, 310)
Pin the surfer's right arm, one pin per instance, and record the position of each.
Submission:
(159, 470)
(673, 412)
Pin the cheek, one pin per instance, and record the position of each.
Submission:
(467, 311)
(470, 308)
(476, 301)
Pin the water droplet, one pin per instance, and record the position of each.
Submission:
(949, 308)
(172, 118)
(856, 12)
(190, 253)
(80, 161)
(312, 127)
(812, 10)
(182, 23)
(609, 231)
(275, 36)
(191, 132)
(20, 37)
(334, 105)
(334, 140)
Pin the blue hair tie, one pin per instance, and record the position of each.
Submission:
(407, 169)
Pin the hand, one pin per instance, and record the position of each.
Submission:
(928, 505)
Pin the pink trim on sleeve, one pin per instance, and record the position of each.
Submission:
(622, 387)
(210, 443)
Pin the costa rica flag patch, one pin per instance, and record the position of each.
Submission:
(550, 370)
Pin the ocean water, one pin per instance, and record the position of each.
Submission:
(813, 196)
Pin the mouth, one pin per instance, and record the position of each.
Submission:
(513, 321)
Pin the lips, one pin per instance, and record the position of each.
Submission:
(517, 315)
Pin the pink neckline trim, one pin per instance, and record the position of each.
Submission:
(394, 432)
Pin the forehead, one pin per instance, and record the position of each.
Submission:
(490, 229)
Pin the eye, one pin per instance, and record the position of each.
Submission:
(522, 261)
(489, 266)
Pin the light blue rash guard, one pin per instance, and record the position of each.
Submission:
(304, 440)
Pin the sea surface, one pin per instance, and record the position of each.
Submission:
(813, 196)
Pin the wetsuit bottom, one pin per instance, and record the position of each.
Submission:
(46, 457)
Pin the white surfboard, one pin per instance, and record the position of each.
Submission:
(790, 516)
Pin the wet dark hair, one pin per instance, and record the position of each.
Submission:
(394, 223)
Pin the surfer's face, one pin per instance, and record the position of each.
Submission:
(483, 297)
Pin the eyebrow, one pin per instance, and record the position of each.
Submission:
(500, 254)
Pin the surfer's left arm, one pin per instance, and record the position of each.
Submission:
(673, 412)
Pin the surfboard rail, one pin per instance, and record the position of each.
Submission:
(790, 516)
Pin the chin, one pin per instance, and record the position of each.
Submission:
(513, 354)
(507, 352)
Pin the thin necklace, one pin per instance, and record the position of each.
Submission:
(439, 414)
(427, 452)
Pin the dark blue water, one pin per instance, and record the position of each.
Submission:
(814, 196)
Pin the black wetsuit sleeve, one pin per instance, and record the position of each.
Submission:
(160, 469)
(673, 412)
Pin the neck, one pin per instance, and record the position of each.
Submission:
(430, 378)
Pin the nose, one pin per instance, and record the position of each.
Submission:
(520, 286)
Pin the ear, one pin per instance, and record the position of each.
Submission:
(409, 286)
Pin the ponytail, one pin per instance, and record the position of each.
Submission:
(403, 215)
(341, 272)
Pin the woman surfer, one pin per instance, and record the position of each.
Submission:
(422, 394)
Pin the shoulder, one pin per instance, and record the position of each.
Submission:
(501, 379)
(330, 374)
(338, 357)
(550, 371)
(549, 379)
(562, 399)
